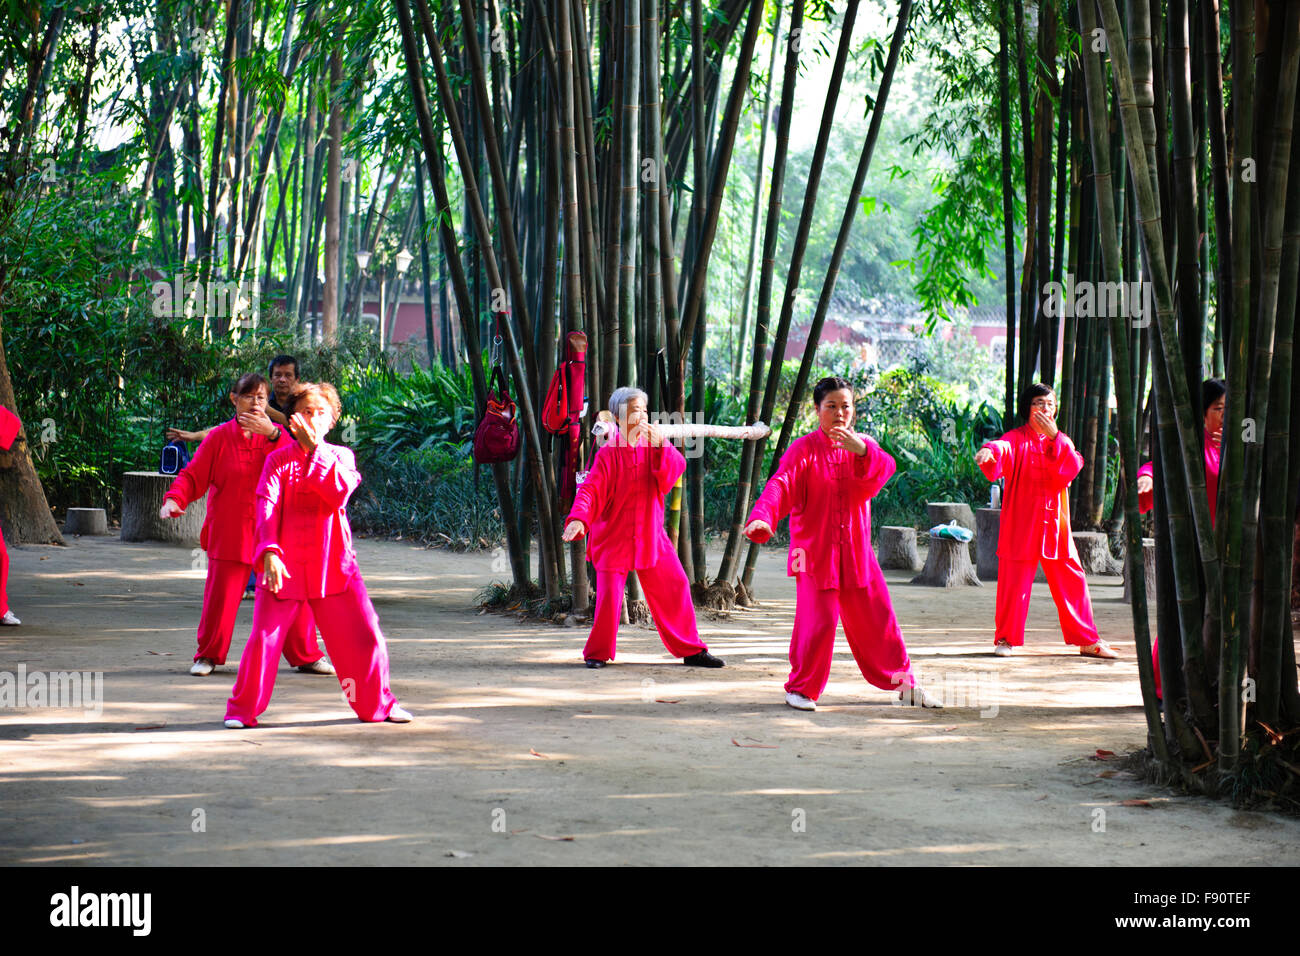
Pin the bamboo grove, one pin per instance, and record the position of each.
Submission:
(562, 166)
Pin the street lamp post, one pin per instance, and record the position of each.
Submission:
(403, 261)
(363, 260)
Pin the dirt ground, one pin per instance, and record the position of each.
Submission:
(520, 755)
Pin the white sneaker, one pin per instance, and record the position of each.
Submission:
(1001, 649)
(799, 701)
(320, 666)
(202, 667)
(10, 618)
(398, 715)
(234, 723)
(919, 697)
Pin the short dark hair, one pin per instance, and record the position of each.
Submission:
(249, 382)
(283, 360)
(1211, 390)
(832, 383)
(324, 389)
(1031, 392)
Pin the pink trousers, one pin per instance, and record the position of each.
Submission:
(1069, 590)
(666, 591)
(4, 576)
(869, 625)
(222, 593)
(350, 628)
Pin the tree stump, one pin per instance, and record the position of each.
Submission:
(987, 521)
(1094, 553)
(1149, 566)
(86, 521)
(947, 565)
(142, 496)
(897, 548)
(942, 512)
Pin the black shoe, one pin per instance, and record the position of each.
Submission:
(703, 659)
(593, 663)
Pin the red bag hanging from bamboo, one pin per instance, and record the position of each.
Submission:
(497, 437)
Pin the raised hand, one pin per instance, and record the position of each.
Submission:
(1145, 484)
(574, 530)
(170, 509)
(1043, 423)
(758, 529)
(846, 439)
(256, 422)
(303, 431)
(983, 456)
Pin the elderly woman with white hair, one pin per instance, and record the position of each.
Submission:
(620, 506)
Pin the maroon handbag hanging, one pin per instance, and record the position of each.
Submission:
(497, 437)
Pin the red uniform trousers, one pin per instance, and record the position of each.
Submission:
(1069, 590)
(4, 576)
(666, 591)
(222, 593)
(350, 627)
(869, 625)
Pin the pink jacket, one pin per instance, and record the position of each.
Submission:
(1035, 522)
(621, 504)
(302, 517)
(9, 427)
(229, 464)
(1146, 501)
(827, 490)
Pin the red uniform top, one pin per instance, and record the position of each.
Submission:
(827, 490)
(302, 517)
(230, 465)
(1145, 499)
(1035, 520)
(9, 426)
(621, 504)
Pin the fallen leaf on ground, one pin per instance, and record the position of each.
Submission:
(458, 854)
(152, 727)
(563, 839)
(1108, 773)
(762, 746)
(536, 754)
(953, 727)
(161, 653)
(521, 830)
(658, 701)
(1135, 803)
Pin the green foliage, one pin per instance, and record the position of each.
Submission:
(428, 494)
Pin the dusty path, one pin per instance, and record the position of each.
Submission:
(516, 744)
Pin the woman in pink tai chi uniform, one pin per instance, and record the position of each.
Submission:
(620, 505)
(1038, 462)
(226, 468)
(304, 551)
(1213, 398)
(10, 426)
(825, 483)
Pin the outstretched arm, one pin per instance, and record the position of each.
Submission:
(194, 479)
(994, 458)
(590, 499)
(780, 492)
